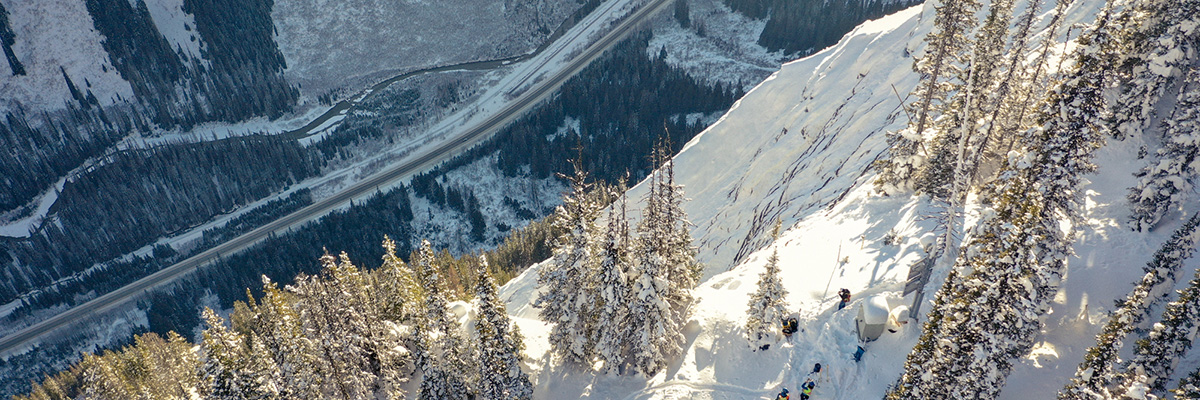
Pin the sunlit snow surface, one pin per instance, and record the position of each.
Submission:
(744, 172)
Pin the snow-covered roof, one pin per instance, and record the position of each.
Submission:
(875, 310)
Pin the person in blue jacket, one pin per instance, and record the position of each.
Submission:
(806, 389)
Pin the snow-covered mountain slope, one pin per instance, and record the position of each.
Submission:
(54, 34)
(797, 148)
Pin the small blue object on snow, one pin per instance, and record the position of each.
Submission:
(859, 353)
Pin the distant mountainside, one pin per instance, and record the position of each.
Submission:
(82, 74)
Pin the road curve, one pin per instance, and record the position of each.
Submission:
(366, 187)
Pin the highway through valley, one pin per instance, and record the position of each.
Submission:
(460, 140)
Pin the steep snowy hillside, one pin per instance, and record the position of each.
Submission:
(797, 148)
(50, 35)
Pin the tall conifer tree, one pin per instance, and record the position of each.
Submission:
(1015, 257)
(768, 305)
(563, 280)
(945, 56)
(444, 360)
(500, 344)
(612, 260)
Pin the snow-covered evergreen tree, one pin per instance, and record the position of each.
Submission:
(1163, 184)
(768, 305)
(653, 332)
(173, 366)
(945, 55)
(1098, 369)
(611, 260)
(362, 356)
(500, 344)
(1189, 387)
(278, 325)
(232, 371)
(444, 360)
(683, 271)
(1158, 38)
(905, 157)
(1157, 354)
(151, 368)
(101, 381)
(1023, 88)
(656, 287)
(563, 280)
(397, 294)
(1006, 106)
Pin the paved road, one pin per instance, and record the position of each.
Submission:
(465, 139)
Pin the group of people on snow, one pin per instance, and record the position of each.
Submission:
(806, 388)
(790, 326)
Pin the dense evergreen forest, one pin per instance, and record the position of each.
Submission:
(140, 53)
(624, 103)
(141, 195)
(122, 271)
(1037, 131)
(39, 149)
(245, 76)
(806, 26)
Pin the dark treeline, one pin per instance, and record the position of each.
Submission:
(37, 150)
(113, 274)
(140, 53)
(7, 39)
(246, 75)
(144, 194)
(623, 103)
(805, 26)
(261, 215)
